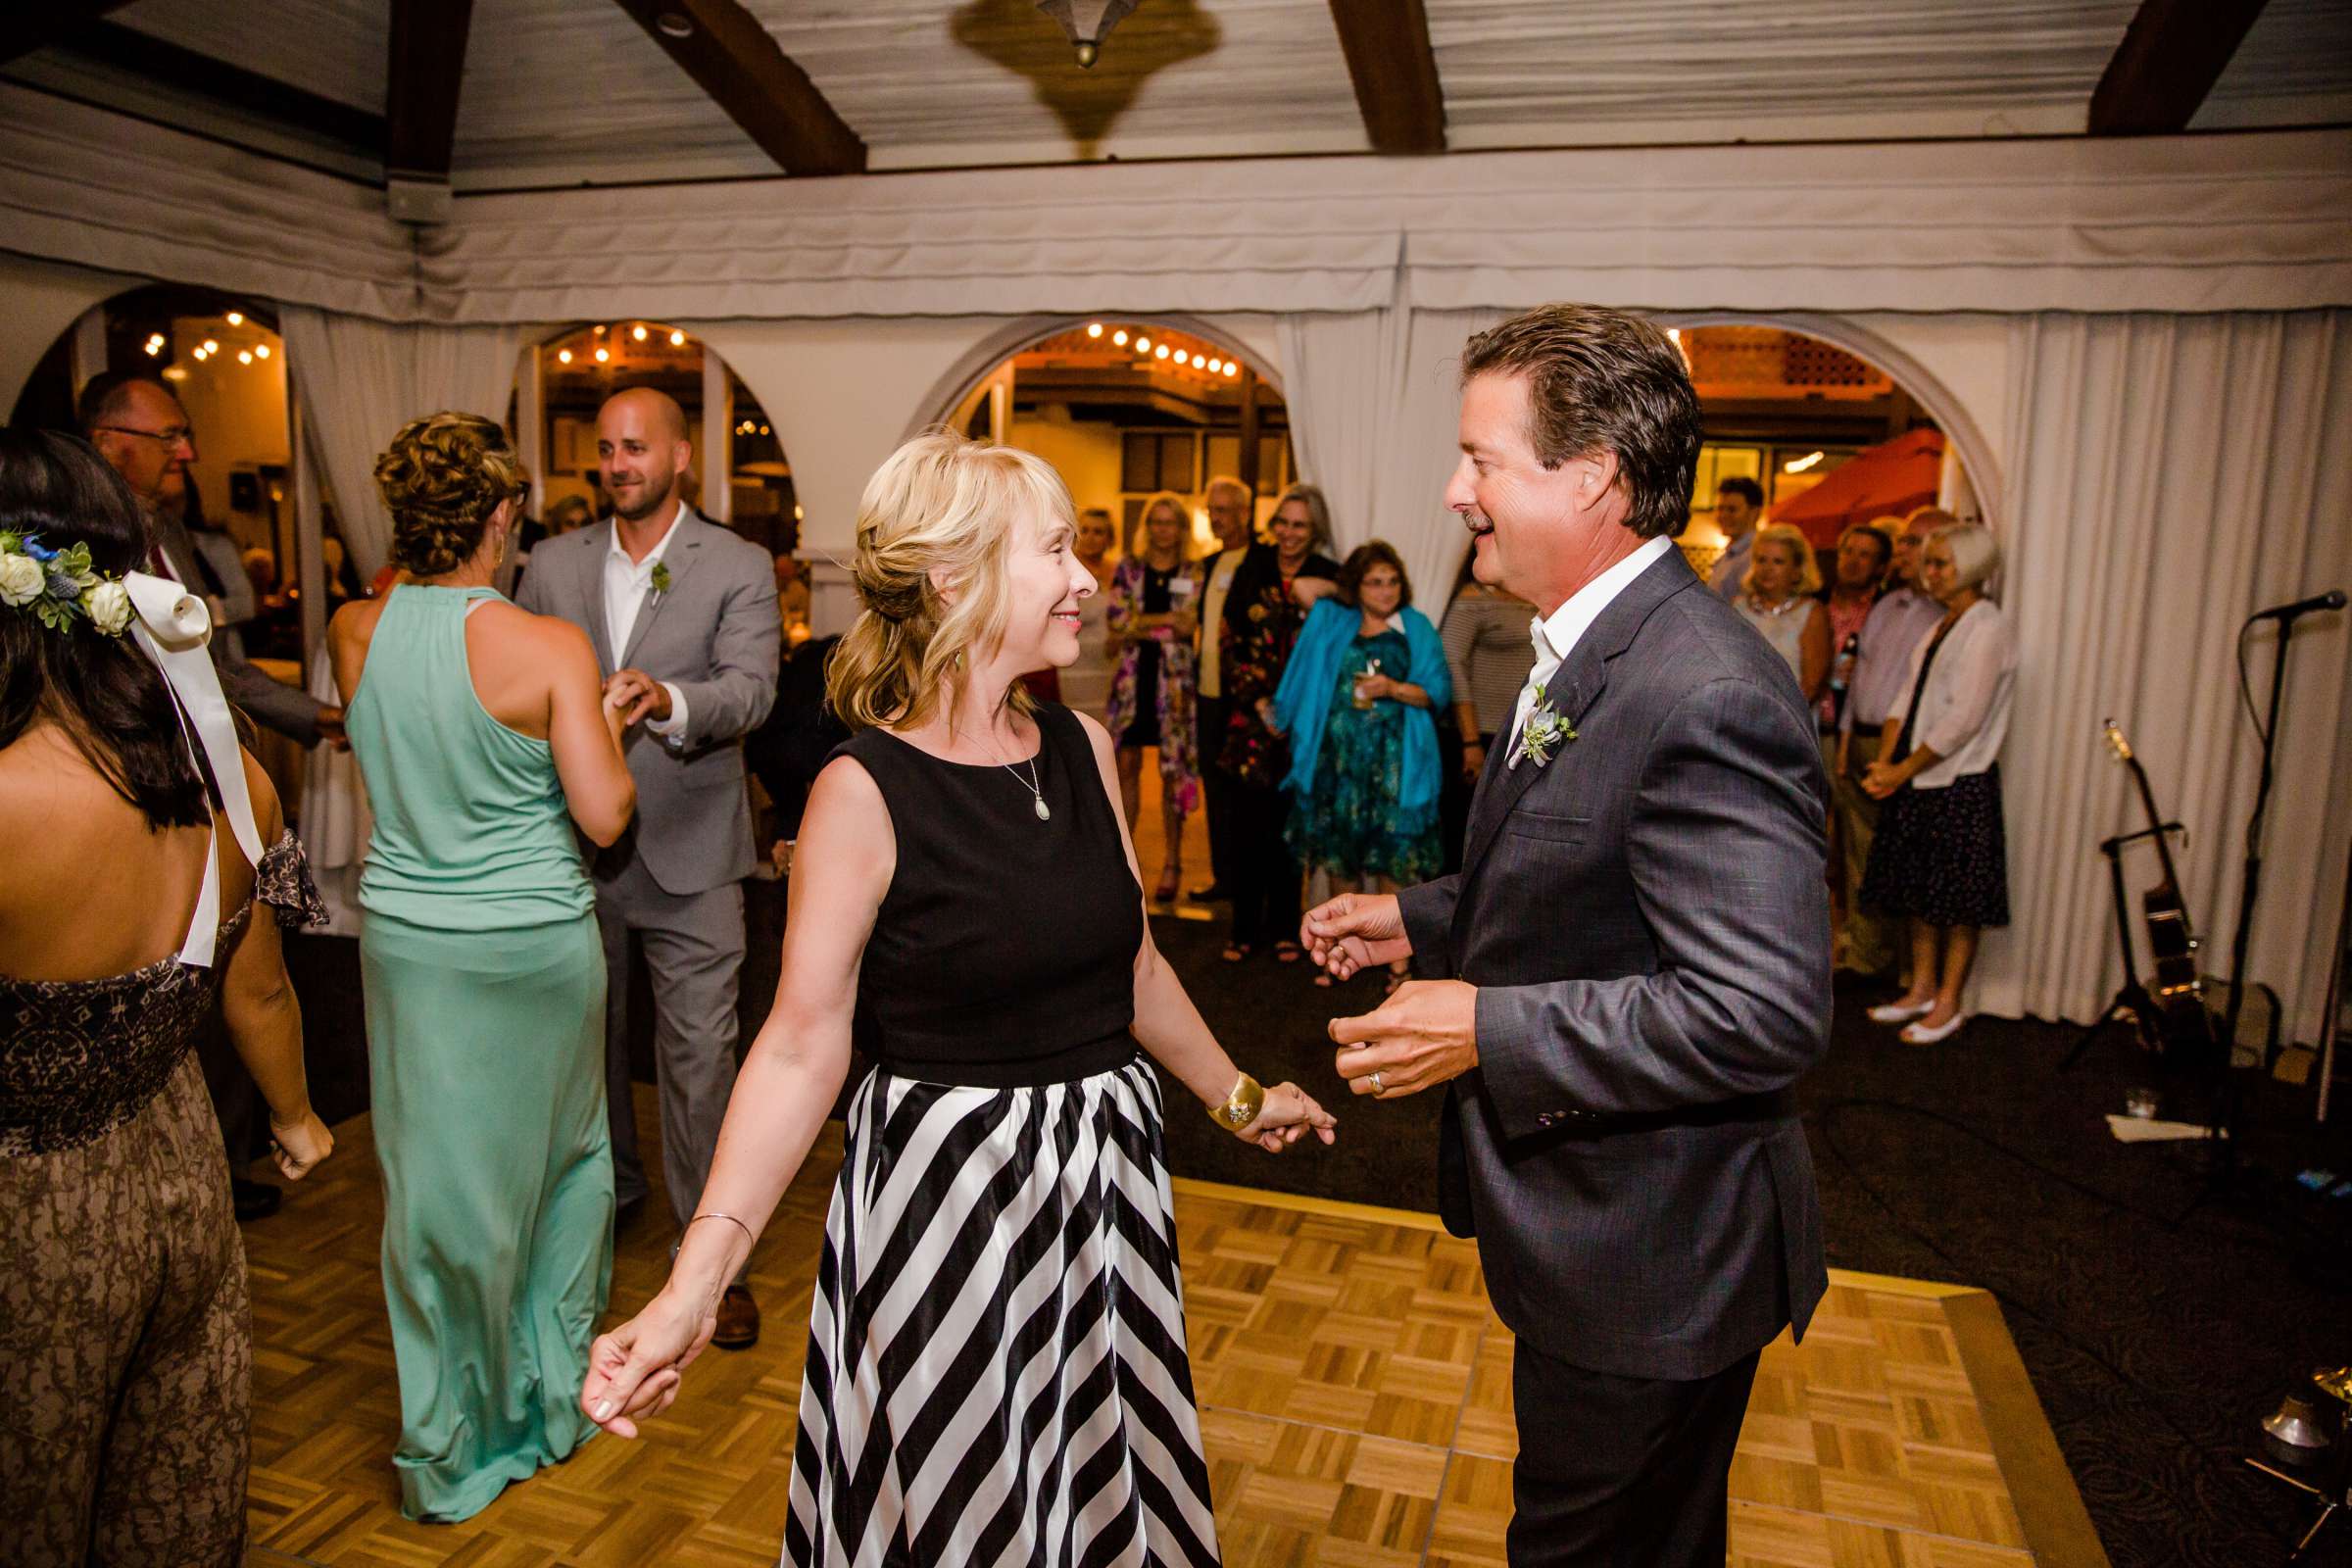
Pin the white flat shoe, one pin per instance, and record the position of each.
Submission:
(1901, 1012)
(1919, 1034)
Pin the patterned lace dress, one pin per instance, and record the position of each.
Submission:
(126, 1346)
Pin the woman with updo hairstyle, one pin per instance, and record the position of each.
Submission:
(484, 739)
(995, 1366)
(126, 1387)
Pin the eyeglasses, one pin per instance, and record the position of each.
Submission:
(170, 438)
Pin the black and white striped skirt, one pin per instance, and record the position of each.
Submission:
(997, 1371)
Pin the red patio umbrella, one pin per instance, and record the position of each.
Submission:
(1892, 477)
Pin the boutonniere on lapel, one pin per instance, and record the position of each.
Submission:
(661, 576)
(1544, 733)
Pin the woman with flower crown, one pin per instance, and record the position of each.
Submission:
(125, 909)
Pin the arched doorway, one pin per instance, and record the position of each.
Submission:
(1125, 407)
(742, 476)
(1794, 411)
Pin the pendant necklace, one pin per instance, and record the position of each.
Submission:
(1037, 795)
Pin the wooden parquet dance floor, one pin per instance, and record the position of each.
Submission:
(1355, 1389)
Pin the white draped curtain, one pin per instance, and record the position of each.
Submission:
(1373, 398)
(360, 381)
(2168, 474)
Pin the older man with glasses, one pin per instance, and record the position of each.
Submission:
(144, 435)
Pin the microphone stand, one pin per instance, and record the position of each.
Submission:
(2229, 1098)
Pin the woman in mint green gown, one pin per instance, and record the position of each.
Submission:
(483, 739)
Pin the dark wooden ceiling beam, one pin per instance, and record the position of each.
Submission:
(232, 87)
(37, 27)
(734, 59)
(421, 96)
(1395, 71)
(2171, 56)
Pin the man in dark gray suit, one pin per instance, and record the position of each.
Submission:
(683, 616)
(139, 428)
(1641, 944)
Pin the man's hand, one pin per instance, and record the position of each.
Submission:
(637, 695)
(1424, 1034)
(1474, 760)
(330, 729)
(1355, 931)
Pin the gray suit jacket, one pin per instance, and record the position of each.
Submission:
(270, 701)
(1647, 923)
(713, 634)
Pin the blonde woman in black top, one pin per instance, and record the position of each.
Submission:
(996, 1363)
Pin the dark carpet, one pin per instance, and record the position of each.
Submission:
(2160, 1321)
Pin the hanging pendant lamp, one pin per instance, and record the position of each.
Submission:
(1087, 22)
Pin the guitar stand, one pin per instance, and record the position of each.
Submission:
(2131, 995)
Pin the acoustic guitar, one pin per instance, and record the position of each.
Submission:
(2181, 1027)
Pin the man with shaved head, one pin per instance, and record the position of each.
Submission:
(683, 616)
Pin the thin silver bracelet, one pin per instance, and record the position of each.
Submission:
(712, 1214)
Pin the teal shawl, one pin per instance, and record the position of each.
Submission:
(1302, 703)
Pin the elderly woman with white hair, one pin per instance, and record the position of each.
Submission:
(996, 1365)
(1941, 854)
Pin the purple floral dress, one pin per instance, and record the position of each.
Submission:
(1163, 661)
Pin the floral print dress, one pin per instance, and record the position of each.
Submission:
(1157, 677)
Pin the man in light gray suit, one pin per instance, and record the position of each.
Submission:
(683, 616)
(1640, 942)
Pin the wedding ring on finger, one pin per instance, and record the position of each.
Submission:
(1376, 1083)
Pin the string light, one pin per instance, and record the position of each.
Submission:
(1119, 338)
(638, 331)
(1094, 329)
(1143, 345)
(1182, 358)
(210, 346)
(1160, 353)
(677, 340)
(1232, 369)
(155, 346)
(562, 356)
(1800, 464)
(603, 354)
(244, 355)
(236, 317)
(260, 351)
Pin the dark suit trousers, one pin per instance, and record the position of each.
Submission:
(1217, 789)
(1265, 878)
(1617, 1472)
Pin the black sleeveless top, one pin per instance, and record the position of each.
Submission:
(1004, 955)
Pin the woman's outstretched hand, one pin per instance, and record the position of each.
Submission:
(1288, 1114)
(635, 1371)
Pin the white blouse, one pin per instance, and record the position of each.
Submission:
(1963, 713)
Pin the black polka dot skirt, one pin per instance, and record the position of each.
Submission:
(1942, 855)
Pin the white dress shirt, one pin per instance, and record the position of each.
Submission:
(1964, 712)
(628, 585)
(1557, 635)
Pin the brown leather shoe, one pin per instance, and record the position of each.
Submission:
(738, 1320)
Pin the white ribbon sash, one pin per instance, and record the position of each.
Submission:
(174, 626)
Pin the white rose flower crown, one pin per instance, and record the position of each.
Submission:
(60, 586)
